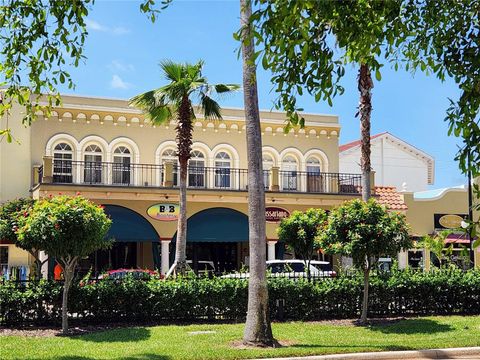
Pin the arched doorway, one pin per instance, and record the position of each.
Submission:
(218, 235)
(135, 242)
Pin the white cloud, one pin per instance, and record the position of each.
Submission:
(117, 65)
(118, 83)
(95, 26)
(116, 30)
(120, 30)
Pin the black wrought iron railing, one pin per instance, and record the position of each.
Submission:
(106, 173)
(223, 178)
(319, 182)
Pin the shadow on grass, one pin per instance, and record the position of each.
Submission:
(413, 326)
(117, 335)
(137, 357)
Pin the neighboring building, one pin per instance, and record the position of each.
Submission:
(433, 211)
(395, 162)
(104, 150)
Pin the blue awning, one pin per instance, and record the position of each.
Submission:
(129, 226)
(217, 225)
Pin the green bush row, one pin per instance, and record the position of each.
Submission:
(447, 291)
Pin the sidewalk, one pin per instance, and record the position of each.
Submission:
(454, 353)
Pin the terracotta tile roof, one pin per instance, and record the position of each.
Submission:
(357, 142)
(390, 197)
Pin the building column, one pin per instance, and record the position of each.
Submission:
(165, 257)
(426, 259)
(476, 258)
(403, 260)
(42, 256)
(274, 179)
(271, 249)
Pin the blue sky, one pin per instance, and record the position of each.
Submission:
(124, 48)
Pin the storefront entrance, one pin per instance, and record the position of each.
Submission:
(135, 243)
(218, 236)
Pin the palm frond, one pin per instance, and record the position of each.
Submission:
(211, 109)
(153, 105)
(226, 88)
(171, 70)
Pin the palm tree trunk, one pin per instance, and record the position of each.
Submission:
(258, 331)
(184, 145)
(365, 85)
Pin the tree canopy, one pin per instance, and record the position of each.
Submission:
(365, 231)
(300, 231)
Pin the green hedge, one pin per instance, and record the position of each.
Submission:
(400, 293)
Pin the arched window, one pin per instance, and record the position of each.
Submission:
(222, 170)
(170, 155)
(62, 163)
(314, 178)
(122, 158)
(289, 173)
(267, 163)
(196, 169)
(93, 164)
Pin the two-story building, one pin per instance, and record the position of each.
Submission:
(104, 150)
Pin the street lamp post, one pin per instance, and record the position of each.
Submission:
(469, 225)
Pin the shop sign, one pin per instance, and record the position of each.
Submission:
(275, 214)
(448, 221)
(164, 212)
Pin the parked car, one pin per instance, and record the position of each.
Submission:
(204, 268)
(293, 268)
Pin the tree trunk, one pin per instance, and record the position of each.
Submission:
(68, 273)
(365, 85)
(366, 276)
(184, 145)
(258, 331)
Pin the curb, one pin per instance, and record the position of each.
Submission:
(450, 353)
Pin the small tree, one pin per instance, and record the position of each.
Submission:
(365, 231)
(300, 232)
(435, 244)
(68, 229)
(10, 212)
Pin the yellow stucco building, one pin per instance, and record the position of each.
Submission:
(105, 150)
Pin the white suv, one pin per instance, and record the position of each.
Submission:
(293, 269)
(297, 268)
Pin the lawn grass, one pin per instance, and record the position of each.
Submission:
(177, 342)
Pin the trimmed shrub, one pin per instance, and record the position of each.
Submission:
(400, 293)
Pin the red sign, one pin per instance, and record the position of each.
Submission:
(275, 214)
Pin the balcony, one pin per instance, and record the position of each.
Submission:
(166, 176)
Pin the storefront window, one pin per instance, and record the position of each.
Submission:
(3, 260)
(121, 165)
(62, 163)
(415, 259)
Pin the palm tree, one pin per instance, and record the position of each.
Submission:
(174, 102)
(258, 330)
(365, 85)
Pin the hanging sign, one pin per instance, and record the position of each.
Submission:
(275, 214)
(164, 212)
